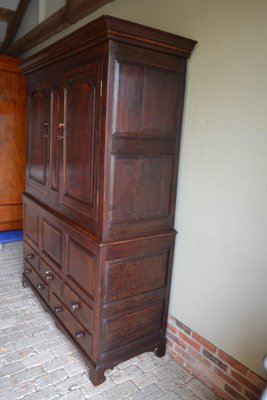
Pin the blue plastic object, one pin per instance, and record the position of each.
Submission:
(11, 236)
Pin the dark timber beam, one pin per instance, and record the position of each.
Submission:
(73, 11)
(14, 24)
(6, 14)
(78, 9)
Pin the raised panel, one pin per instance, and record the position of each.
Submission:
(128, 88)
(146, 99)
(135, 276)
(55, 133)
(141, 188)
(31, 224)
(38, 129)
(80, 155)
(160, 102)
(81, 267)
(52, 242)
(132, 326)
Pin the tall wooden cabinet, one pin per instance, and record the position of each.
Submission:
(105, 111)
(12, 143)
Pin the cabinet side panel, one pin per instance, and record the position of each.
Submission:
(136, 287)
(132, 326)
(145, 103)
(141, 188)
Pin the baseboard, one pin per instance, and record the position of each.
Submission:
(229, 379)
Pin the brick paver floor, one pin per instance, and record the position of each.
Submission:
(37, 362)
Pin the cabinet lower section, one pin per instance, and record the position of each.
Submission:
(111, 299)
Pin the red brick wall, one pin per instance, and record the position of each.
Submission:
(229, 379)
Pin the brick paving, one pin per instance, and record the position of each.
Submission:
(37, 362)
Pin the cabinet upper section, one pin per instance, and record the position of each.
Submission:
(105, 111)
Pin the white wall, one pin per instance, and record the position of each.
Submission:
(220, 269)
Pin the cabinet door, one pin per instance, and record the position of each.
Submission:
(45, 136)
(80, 155)
(38, 136)
(56, 137)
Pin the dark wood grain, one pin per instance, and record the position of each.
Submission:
(101, 184)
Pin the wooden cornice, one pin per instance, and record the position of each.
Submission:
(73, 11)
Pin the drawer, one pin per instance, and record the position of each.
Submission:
(53, 281)
(31, 256)
(78, 307)
(39, 285)
(76, 330)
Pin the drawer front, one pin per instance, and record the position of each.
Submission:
(40, 286)
(53, 281)
(78, 307)
(76, 330)
(31, 256)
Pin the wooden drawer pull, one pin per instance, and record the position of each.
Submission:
(39, 286)
(74, 306)
(49, 276)
(58, 309)
(79, 334)
(30, 256)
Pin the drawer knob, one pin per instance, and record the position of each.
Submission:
(79, 334)
(58, 309)
(30, 256)
(39, 286)
(49, 276)
(74, 306)
(27, 270)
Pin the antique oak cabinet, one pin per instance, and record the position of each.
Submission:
(12, 143)
(105, 110)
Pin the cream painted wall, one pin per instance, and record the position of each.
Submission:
(220, 267)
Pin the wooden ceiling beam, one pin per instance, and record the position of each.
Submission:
(14, 24)
(78, 9)
(6, 14)
(73, 11)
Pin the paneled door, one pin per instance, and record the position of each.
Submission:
(79, 190)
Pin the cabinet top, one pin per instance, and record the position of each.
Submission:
(104, 29)
(9, 64)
